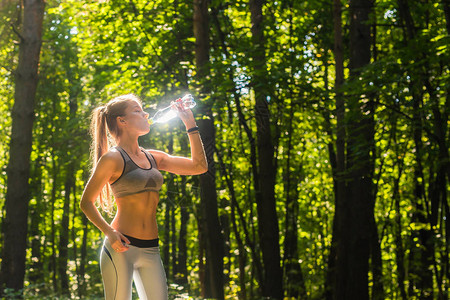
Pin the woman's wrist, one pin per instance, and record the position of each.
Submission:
(190, 125)
(192, 130)
(109, 231)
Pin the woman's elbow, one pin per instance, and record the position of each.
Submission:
(84, 204)
(201, 168)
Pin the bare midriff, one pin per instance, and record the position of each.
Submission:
(136, 215)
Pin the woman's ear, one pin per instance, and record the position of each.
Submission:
(120, 120)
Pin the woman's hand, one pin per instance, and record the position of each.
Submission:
(118, 241)
(185, 115)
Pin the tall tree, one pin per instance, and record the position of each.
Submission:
(17, 196)
(295, 284)
(430, 206)
(354, 206)
(339, 165)
(212, 232)
(265, 195)
(245, 124)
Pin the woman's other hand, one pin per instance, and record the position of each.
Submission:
(118, 241)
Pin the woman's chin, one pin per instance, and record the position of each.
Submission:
(145, 131)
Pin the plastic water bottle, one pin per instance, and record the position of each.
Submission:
(168, 113)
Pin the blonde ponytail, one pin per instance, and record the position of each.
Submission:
(99, 135)
(100, 145)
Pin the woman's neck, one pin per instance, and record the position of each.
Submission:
(130, 146)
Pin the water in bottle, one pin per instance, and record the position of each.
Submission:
(168, 113)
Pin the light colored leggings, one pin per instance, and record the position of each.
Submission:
(144, 265)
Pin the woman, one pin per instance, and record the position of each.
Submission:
(130, 249)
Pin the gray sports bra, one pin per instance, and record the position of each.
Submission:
(135, 179)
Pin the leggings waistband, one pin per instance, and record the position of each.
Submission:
(142, 243)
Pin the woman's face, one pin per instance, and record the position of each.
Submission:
(136, 118)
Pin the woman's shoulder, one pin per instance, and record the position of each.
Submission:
(111, 158)
(157, 155)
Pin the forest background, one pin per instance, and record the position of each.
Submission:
(325, 125)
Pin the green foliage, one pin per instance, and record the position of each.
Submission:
(94, 50)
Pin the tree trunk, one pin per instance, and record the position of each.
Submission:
(446, 5)
(83, 257)
(53, 261)
(254, 169)
(69, 188)
(339, 182)
(421, 276)
(399, 248)
(173, 242)
(201, 254)
(225, 224)
(18, 170)
(376, 262)
(36, 267)
(354, 211)
(168, 257)
(375, 247)
(212, 229)
(74, 237)
(166, 245)
(181, 273)
(267, 215)
(295, 284)
(36, 273)
(427, 207)
(242, 257)
(64, 233)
